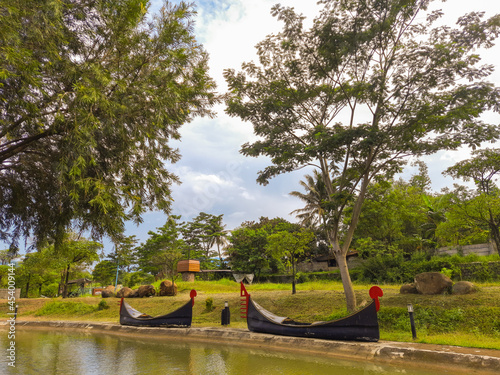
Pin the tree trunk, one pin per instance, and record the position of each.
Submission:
(293, 278)
(27, 286)
(350, 297)
(65, 287)
(495, 235)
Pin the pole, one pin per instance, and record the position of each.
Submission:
(116, 280)
(412, 321)
(225, 315)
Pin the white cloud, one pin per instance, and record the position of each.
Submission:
(216, 178)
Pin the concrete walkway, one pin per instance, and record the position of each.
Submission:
(458, 360)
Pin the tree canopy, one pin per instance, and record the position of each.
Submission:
(369, 84)
(91, 92)
(478, 208)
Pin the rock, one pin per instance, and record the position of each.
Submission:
(107, 292)
(167, 288)
(408, 289)
(433, 283)
(145, 291)
(125, 293)
(463, 287)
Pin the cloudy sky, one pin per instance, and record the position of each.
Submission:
(215, 178)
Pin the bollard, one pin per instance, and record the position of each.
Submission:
(412, 321)
(225, 315)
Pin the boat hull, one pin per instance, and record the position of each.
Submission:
(360, 326)
(181, 317)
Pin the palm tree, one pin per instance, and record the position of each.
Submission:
(218, 235)
(313, 215)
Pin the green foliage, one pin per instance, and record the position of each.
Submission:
(85, 126)
(102, 305)
(104, 272)
(386, 268)
(479, 209)
(370, 83)
(134, 279)
(50, 290)
(209, 304)
(163, 249)
(247, 251)
(201, 234)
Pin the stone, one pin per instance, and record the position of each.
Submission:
(433, 283)
(408, 289)
(463, 287)
(167, 288)
(145, 291)
(125, 293)
(107, 292)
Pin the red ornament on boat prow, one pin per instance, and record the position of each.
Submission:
(192, 294)
(375, 292)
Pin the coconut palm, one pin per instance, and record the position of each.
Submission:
(313, 215)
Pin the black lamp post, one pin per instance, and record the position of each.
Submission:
(412, 321)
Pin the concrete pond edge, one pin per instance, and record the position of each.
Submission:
(461, 360)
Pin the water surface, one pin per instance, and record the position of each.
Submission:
(76, 353)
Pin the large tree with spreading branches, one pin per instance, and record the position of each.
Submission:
(370, 83)
(91, 93)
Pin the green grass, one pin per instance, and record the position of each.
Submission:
(472, 320)
(68, 308)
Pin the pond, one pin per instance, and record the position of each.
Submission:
(73, 353)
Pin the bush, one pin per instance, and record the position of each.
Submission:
(209, 304)
(50, 290)
(103, 305)
(398, 269)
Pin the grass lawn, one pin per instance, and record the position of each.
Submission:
(471, 320)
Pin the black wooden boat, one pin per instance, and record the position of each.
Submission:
(359, 326)
(181, 317)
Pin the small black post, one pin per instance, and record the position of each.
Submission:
(412, 321)
(225, 315)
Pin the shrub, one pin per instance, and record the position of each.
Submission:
(103, 305)
(209, 304)
(50, 290)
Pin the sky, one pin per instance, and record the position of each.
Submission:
(215, 177)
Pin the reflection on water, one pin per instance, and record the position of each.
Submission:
(75, 353)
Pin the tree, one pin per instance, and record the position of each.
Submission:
(90, 94)
(104, 272)
(313, 215)
(466, 216)
(365, 87)
(124, 254)
(218, 236)
(290, 245)
(480, 206)
(247, 251)
(75, 251)
(39, 269)
(163, 249)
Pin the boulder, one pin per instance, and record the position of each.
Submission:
(125, 293)
(145, 291)
(433, 283)
(463, 287)
(408, 289)
(167, 288)
(107, 292)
